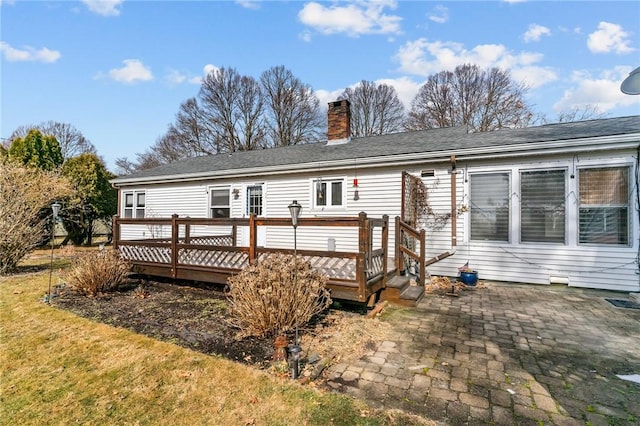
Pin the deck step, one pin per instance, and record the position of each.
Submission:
(400, 291)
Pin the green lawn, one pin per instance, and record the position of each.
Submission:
(57, 368)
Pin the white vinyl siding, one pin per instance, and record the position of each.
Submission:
(542, 206)
(593, 265)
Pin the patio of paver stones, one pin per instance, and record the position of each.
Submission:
(507, 354)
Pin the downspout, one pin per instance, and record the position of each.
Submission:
(454, 210)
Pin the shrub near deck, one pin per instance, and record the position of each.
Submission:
(278, 294)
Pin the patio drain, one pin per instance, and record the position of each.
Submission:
(619, 303)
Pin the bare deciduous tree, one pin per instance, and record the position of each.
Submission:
(233, 105)
(292, 109)
(482, 100)
(71, 140)
(375, 109)
(581, 113)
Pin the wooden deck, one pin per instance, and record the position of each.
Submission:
(176, 248)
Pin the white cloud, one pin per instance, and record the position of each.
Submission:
(305, 36)
(326, 96)
(28, 54)
(535, 33)
(104, 7)
(439, 15)
(133, 71)
(249, 4)
(175, 77)
(601, 91)
(406, 89)
(609, 38)
(209, 68)
(424, 58)
(354, 19)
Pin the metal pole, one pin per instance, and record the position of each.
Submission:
(53, 225)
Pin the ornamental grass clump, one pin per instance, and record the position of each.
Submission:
(277, 294)
(97, 272)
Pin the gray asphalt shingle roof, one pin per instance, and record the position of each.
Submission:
(431, 141)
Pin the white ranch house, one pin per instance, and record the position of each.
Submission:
(556, 203)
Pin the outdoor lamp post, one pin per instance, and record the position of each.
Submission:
(55, 208)
(631, 84)
(294, 350)
(295, 209)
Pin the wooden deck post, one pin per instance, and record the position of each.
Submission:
(187, 233)
(115, 229)
(423, 272)
(234, 235)
(253, 234)
(361, 273)
(174, 245)
(398, 254)
(385, 248)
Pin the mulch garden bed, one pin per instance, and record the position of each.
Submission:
(195, 317)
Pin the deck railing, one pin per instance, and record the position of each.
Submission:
(184, 248)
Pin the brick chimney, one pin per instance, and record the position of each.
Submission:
(339, 122)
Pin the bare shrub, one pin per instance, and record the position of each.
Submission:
(267, 298)
(97, 272)
(25, 193)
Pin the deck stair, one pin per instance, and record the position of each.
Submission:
(399, 291)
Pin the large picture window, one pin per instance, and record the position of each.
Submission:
(134, 204)
(490, 206)
(219, 203)
(604, 205)
(542, 206)
(328, 193)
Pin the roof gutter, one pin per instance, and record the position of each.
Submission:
(617, 142)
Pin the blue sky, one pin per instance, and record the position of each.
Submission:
(118, 70)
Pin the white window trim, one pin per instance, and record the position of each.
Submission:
(512, 218)
(218, 187)
(517, 190)
(328, 207)
(135, 206)
(631, 204)
(245, 201)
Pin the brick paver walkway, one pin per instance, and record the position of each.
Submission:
(506, 355)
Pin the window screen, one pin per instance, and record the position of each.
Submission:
(604, 205)
(490, 206)
(542, 206)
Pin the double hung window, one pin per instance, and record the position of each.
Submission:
(219, 204)
(134, 204)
